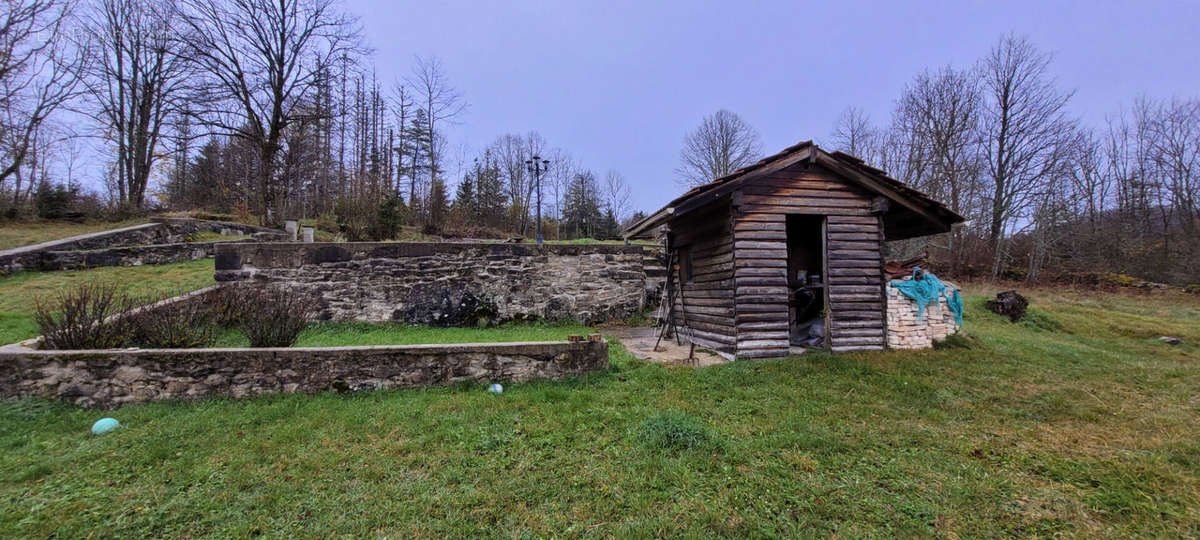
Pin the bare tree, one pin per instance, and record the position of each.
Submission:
(135, 83)
(1025, 129)
(721, 144)
(262, 59)
(441, 102)
(39, 72)
(617, 195)
(854, 135)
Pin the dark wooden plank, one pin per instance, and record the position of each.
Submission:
(848, 219)
(856, 263)
(854, 236)
(872, 245)
(760, 254)
(746, 309)
(780, 291)
(762, 299)
(759, 262)
(767, 325)
(758, 281)
(761, 235)
(857, 305)
(814, 210)
(746, 272)
(756, 215)
(853, 228)
(753, 202)
(853, 254)
(780, 315)
(854, 289)
(835, 271)
(758, 244)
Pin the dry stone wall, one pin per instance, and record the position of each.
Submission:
(905, 330)
(161, 241)
(449, 284)
(110, 378)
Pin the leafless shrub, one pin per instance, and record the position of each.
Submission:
(87, 316)
(179, 325)
(275, 316)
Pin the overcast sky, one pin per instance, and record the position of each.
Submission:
(619, 83)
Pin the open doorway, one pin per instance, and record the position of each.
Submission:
(806, 281)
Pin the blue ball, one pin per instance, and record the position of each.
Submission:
(105, 425)
(496, 389)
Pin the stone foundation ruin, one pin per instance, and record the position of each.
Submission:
(449, 284)
(110, 378)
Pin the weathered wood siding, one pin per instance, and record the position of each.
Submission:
(853, 260)
(704, 306)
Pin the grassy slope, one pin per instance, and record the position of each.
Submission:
(1077, 423)
(19, 292)
(27, 233)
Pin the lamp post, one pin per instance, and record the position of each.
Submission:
(538, 167)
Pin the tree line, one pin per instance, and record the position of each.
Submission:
(270, 109)
(1046, 196)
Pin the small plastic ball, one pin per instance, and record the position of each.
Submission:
(105, 425)
(496, 389)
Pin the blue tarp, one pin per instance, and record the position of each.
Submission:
(926, 289)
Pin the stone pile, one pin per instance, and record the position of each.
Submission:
(905, 330)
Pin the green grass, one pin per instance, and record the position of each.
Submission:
(334, 334)
(1078, 424)
(25, 233)
(20, 291)
(210, 236)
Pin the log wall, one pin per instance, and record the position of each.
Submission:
(704, 305)
(853, 275)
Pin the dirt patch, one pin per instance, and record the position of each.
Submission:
(639, 341)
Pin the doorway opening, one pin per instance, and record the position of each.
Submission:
(807, 322)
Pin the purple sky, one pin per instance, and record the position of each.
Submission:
(619, 83)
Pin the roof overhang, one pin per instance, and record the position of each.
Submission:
(921, 214)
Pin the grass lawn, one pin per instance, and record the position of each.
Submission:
(1078, 422)
(20, 291)
(210, 236)
(23, 233)
(336, 334)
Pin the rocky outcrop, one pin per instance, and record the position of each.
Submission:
(449, 284)
(111, 378)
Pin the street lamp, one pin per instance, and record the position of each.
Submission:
(538, 167)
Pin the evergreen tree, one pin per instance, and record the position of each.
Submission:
(581, 213)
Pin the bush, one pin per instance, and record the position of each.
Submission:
(86, 316)
(275, 316)
(181, 325)
(388, 219)
(52, 202)
(674, 431)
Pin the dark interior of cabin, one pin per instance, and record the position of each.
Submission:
(806, 281)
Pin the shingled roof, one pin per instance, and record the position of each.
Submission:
(935, 217)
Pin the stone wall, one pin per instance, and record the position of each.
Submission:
(449, 284)
(126, 256)
(148, 238)
(906, 331)
(109, 378)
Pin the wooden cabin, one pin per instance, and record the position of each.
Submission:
(766, 256)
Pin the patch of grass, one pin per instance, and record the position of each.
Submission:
(210, 236)
(1032, 432)
(348, 334)
(19, 292)
(674, 430)
(25, 233)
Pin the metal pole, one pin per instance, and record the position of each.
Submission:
(539, 201)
